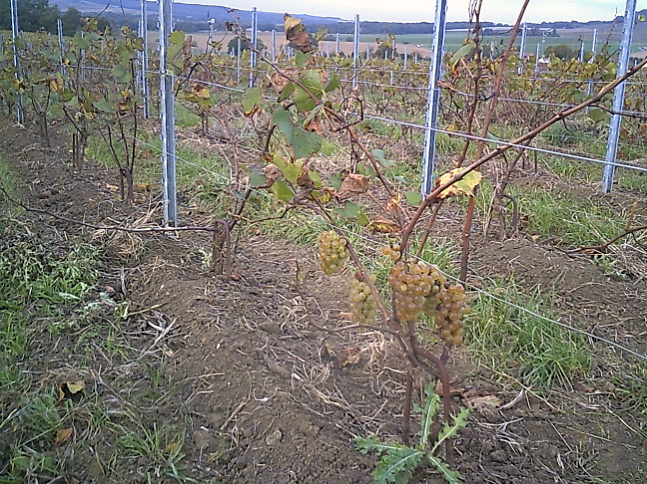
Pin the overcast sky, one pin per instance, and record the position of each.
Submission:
(504, 11)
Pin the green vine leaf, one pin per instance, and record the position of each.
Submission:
(381, 157)
(349, 210)
(332, 84)
(598, 115)
(252, 101)
(413, 198)
(281, 191)
(290, 170)
(462, 52)
(122, 74)
(105, 106)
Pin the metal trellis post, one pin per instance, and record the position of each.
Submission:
(433, 98)
(337, 43)
(238, 53)
(16, 62)
(252, 57)
(356, 53)
(522, 48)
(144, 81)
(618, 97)
(168, 115)
(406, 56)
(273, 45)
(61, 43)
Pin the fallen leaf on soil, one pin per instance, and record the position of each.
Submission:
(112, 188)
(483, 404)
(62, 436)
(143, 187)
(70, 389)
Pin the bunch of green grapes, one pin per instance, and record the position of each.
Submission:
(411, 284)
(362, 303)
(450, 308)
(434, 298)
(393, 251)
(332, 252)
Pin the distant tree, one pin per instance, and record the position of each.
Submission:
(232, 46)
(72, 22)
(561, 51)
(33, 15)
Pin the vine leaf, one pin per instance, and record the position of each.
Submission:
(281, 191)
(384, 226)
(413, 198)
(462, 52)
(251, 101)
(597, 115)
(290, 170)
(296, 33)
(465, 186)
(353, 184)
(381, 157)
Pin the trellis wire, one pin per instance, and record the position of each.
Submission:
(372, 246)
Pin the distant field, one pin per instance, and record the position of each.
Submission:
(421, 44)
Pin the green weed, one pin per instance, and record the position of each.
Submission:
(512, 341)
(399, 461)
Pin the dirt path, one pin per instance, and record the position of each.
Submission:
(268, 391)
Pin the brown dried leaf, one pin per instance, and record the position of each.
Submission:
(483, 404)
(278, 81)
(314, 125)
(63, 436)
(296, 33)
(393, 204)
(272, 173)
(353, 184)
(304, 180)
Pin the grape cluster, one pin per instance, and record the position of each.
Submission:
(393, 251)
(448, 307)
(411, 284)
(362, 303)
(332, 252)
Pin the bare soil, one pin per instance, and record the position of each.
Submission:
(272, 390)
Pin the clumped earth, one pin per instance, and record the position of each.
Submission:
(259, 378)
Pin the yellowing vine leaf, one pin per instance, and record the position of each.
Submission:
(465, 186)
(384, 226)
